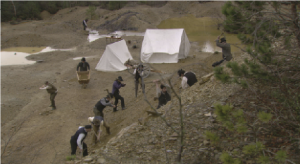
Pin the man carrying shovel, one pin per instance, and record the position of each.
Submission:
(139, 72)
(84, 23)
(226, 50)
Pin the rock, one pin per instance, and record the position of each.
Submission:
(88, 159)
(205, 142)
(218, 156)
(206, 78)
(174, 134)
(249, 162)
(172, 139)
(100, 160)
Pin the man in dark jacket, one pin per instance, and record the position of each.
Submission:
(83, 65)
(51, 89)
(115, 91)
(164, 96)
(188, 78)
(226, 51)
(78, 138)
(84, 22)
(100, 105)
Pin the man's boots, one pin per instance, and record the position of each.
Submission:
(115, 109)
(107, 128)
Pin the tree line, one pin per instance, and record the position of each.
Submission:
(271, 33)
(24, 10)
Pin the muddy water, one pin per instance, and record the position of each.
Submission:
(17, 55)
(14, 58)
(202, 30)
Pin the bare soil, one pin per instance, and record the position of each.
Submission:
(31, 131)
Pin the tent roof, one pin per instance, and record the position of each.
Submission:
(163, 40)
(114, 57)
(164, 45)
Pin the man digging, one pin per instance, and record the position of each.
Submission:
(51, 89)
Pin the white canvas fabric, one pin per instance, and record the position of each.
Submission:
(164, 46)
(114, 57)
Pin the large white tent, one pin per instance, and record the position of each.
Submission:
(114, 57)
(164, 46)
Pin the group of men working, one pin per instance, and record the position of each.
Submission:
(188, 79)
(98, 120)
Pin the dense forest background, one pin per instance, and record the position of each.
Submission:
(31, 10)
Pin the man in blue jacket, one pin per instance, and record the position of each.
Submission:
(115, 91)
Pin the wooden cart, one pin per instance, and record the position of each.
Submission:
(83, 78)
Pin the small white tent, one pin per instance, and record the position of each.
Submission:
(164, 46)
(114, 57)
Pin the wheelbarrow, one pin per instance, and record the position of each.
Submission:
(83, 78)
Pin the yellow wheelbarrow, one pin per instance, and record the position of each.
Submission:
(83, 78)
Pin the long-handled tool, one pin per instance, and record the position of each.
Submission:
(108, 93)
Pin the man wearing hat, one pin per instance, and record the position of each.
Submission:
(83, 65)
(100, 105)
(78, 138)
(115, 91)
(226, 51)
(51, 89)
(188, 78)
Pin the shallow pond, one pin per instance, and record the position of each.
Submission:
(202, 30)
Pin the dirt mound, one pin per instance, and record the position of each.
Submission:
(45, 15)
(27, 40)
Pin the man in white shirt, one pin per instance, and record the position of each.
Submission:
(98, 124)
(77, 140)
(188, 78)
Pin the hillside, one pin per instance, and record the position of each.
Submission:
(32, 133)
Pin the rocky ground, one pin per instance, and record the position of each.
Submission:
(32, 133)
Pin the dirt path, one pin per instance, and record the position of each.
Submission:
(38, 135)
